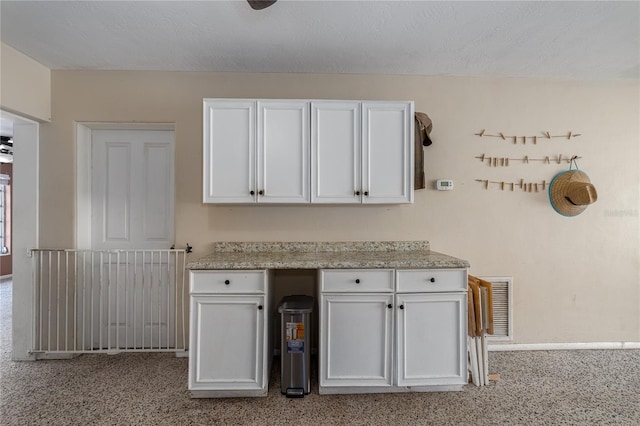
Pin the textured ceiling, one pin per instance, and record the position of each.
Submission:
(572, 40)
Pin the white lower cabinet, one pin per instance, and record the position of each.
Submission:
(381, 330)
(374, 338)
(356, 333)
(230, 333)
(431, 339)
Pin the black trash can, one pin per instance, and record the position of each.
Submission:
(295, 350)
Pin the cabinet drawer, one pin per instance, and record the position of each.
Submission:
(431, 280)
(356, 280)
(228, 282)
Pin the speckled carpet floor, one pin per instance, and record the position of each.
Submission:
(587, 387)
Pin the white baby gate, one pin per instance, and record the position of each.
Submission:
(109, 301)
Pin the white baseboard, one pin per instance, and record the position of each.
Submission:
(562, 346)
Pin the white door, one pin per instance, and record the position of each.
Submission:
(132, 209)
(387, 152)
(226, 343)
(229, 151)
(431, 338)
(356, 340)
(336, 148)
(283, 151)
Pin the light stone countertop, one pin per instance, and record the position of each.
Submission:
(326, 255)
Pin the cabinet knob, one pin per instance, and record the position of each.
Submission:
(366, 193)
(252, 192)
(389, 306)
(259, 307)
(357, 280)
(227, 282)
(356, 192)
(401, 306)
(433, 280)
(261, 192)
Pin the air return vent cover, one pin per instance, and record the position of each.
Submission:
(502, 309)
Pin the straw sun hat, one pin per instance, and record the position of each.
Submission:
(571, 192)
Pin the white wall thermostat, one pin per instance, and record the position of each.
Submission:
(444, 184)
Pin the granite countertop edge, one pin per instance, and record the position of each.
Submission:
(339, 255)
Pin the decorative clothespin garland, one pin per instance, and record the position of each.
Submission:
(525, 186)
(504, 161)
(516, 138)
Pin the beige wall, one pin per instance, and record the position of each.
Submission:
(575, 279)
(25, 85)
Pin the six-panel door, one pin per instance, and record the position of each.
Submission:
(132, 202)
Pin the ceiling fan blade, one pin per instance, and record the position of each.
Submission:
(260, 4)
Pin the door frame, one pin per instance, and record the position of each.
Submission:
(84, 133)
(83, 173)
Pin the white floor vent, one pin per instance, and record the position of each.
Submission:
(502, 308)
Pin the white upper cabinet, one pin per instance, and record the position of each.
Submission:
(283, 151)
(256, 151)
(300, 151)
(361, 152)
(387, 152)
(229, 151)
(336, 152)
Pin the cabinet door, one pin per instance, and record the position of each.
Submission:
(431, 338)
(283, 151)
(229, 151)
(387, 152)
(227, 343)
(336, 152)
(356, 340)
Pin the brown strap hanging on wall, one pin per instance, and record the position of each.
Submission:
(423, 128)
